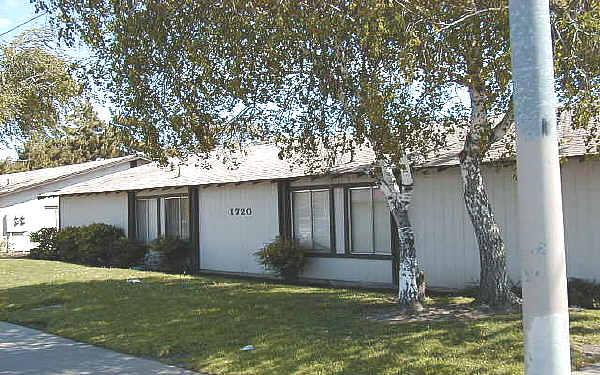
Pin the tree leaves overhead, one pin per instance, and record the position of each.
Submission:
(36, 86)
(192, 75)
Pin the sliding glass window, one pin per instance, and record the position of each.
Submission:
(369, 222)
(311, 218)
(146, 212)
(177, 217)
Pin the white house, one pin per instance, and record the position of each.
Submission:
(342, 216)
(22, 213)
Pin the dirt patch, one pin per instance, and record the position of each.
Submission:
(434, 312)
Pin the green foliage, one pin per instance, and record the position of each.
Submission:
(94, 243)
(285, 256)
(67, 245)
(339, 73)
(97, 245)
(176, 255)
(37, 86)
(583, 293)
(46, 248)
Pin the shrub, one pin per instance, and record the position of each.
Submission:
(176, 255)
(125, 253)
(67, 247)
(284, 256)
(46, 248)
(583, 293)
(94, 242)
(98, 245)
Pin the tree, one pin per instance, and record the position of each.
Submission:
(85, 138)
(36, 85)
(333, 75)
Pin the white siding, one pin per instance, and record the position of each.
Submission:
(96, 208)
(26, 204)
(228, 242)
(446, 244)
(364, 271)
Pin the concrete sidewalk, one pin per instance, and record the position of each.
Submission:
(27, 351)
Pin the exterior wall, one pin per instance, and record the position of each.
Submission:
(228, 242)
(108, 208)
(25, 204)
(446, 244)
(368, 272)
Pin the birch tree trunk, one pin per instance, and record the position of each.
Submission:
(411, 288)
(494, 288)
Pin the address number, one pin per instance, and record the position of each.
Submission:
(240, 211)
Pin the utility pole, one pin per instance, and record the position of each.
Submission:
(541, 232)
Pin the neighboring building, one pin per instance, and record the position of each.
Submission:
(342, 216)
(22, 212)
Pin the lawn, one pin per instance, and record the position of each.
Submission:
(202, 322)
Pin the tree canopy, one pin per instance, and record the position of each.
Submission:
(37, 86)
(84, 138)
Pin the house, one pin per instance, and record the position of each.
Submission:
(22, 213)
(229, 214)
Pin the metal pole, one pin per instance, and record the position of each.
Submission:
(541, 233)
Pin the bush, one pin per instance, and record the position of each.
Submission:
(94, 242)
(94, 245)
(284, 256)
(125, 253)
(67, 247)
(46, 239)
(583, 293)
(176, 255)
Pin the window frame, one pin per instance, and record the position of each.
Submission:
(161, 219)
(348, 223)
(318, 188)
(181, 224)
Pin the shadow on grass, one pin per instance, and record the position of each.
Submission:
(202, 322)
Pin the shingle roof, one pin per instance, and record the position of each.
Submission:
(14, 182)
(262, 162)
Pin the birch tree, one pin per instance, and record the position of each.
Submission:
(333, 75)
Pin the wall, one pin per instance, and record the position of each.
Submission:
(26, 204)
(83, 210)
(446, 244)
(228, 242)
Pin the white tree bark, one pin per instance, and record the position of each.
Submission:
(493, 284)
(410, 291)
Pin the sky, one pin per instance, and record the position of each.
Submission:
(15, 12)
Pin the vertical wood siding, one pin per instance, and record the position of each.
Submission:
(446, 244)
(228, 242)
(97, 208)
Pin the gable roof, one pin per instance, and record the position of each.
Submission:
(262, 163)
(15, 182)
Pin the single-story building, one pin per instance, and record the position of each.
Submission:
(229, 214)
(22, 213)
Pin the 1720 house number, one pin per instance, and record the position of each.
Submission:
(240, 211)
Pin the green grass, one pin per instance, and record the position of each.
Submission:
(202, 322)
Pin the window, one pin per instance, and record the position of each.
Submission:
(311, 218)
(177, 217)
(369, 221)
(146, 212)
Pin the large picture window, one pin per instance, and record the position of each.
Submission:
(311, 218)
(162, 216)
(369, 221)
(177, 217)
